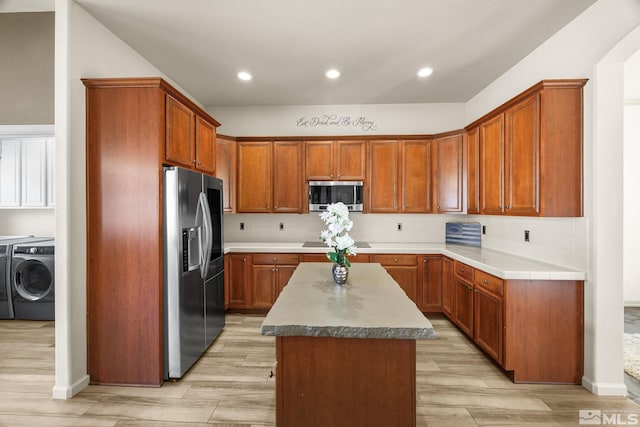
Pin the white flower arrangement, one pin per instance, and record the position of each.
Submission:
(336, 236)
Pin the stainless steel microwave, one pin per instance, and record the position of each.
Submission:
(323, 193)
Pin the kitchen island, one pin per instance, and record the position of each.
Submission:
(345, 355)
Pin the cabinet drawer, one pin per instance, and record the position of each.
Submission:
(395, 259)
(489, 282)
(271, 259)
(323, 258)
(463, 271)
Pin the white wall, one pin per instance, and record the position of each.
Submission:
(314, 120)
(631, 275)
(84, 48)
(37, 222)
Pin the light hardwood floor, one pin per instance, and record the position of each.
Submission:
(231, 386)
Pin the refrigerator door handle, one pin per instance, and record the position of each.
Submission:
(206, 234)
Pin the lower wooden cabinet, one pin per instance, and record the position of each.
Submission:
(270, 273)
(431, 287)
(239, 280)
(403, 269)
(447, 287)
(488, 314)
(463, 305)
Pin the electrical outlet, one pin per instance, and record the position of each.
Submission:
(399, 226)
(526, 235)
(242, 226)
(484, 229)
(282, 226)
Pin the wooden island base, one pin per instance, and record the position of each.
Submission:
(326, 381)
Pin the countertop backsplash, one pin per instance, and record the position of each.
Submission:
(554, 240)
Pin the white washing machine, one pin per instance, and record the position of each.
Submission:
(33, 280)
(6, 249)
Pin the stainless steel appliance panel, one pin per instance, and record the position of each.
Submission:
(184, 290)
(193, 257)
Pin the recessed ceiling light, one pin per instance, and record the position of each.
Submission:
(243, 75)
(332, 73)
(424, 72)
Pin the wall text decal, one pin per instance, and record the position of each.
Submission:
(330, 120)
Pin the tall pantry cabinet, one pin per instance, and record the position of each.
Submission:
(134, 126)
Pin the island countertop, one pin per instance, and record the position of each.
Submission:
(372, 306)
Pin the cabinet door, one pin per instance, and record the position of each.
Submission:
(415, 192)
(487, 328)
(463, 305)
(283, 274)
(492, 166)
(383, 176)
(205, 146)
(431, 298)
(447, 287)
(180, 133)
(407, 278)
(319, 160)
(473, 171)
(448, 173)
(10, 173)
(263, 282)
(254, 176)
(522, 158)
(287, 176)
(33, 171)
(350, 163)
(226, 171)
(239, 286)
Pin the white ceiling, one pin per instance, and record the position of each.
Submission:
(378, 45)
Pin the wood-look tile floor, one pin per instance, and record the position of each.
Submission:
(231, 386)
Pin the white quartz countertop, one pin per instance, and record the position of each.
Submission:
(500, 264)
(372, 305)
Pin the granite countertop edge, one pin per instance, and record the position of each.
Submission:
(348, 332)
(500, 264)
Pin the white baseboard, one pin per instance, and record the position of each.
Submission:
(67, 392)
(632, 303)
(604, 389)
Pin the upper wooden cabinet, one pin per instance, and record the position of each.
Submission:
(530, 152)
(270, 176)
(448, 185)
(190, 139)
(254, 176)
(416, 180)
(335, 160)
(382, 165)
(472, 147)
(416, 176)
(226, 171)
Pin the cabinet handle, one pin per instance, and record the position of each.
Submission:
(199, 163)
(475, 290)
(244, 259)
(425, 260)
(395, 259)
(500, 207)
(462, 270)
(469, 287)
(485, 281)
(273, 269)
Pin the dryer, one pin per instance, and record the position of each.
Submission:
(33, 280)
(6, 249)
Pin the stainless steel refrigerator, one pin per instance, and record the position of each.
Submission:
(193, 267)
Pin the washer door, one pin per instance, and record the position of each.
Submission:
(32, 280)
